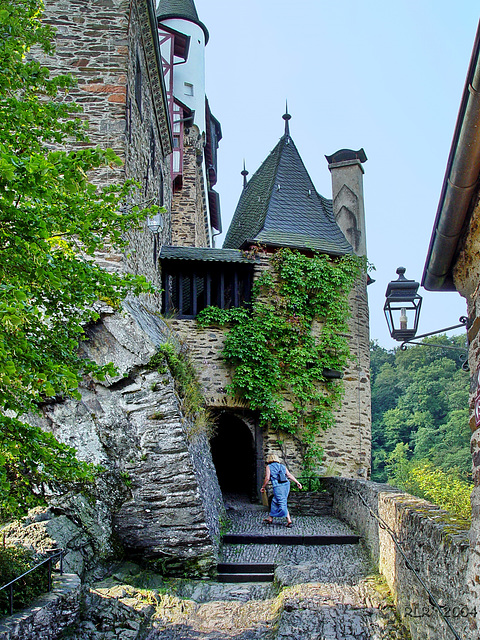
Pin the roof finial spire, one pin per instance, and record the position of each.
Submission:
(244, 173)
(286, 116)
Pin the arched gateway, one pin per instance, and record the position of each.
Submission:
(234, 456)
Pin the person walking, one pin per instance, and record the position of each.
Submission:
(278, 474)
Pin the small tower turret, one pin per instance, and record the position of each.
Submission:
(189, 75)
(195, 131)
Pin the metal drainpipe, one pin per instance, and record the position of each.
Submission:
(460, 183)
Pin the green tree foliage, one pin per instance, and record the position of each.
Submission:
(423, 479)
(278, 361)
(420, 400)
(52, 220)
(14, 562)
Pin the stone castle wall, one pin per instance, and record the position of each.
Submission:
(189, 206)
(467, 282)
(99, 42)
(146, 159)
(92, 45)
(347, 445)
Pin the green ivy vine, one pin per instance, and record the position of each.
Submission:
(278, 360)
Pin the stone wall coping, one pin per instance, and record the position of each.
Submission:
(441, 522)
(63, 585)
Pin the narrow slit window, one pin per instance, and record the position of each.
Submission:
(152, 150)
(138, 85)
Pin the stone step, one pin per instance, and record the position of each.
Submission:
(245, 577)
(245, 567)
(245, 572)
(290, 539)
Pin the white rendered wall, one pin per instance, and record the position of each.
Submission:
(192, 71)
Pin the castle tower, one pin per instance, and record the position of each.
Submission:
(196, 132)
(280, 207)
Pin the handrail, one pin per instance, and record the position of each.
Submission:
(60, 553)
(307, 481)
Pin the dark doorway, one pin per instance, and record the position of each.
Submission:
(233, 453)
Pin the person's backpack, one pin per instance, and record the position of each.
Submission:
(282, 475)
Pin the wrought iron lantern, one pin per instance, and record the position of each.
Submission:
(155, 223)
(402, 307)
(402, 311)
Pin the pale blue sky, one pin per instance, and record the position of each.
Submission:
(384, 76)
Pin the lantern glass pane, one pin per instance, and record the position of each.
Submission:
(402, 316)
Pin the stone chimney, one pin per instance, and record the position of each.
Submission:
(347, 195)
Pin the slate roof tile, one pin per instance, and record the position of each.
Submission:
(281, 207)
(204, 254)
(180, 9)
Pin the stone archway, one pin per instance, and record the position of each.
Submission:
(233, 453)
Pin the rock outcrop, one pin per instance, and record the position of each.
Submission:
(133, 425)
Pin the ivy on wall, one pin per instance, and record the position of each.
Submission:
(278, 355)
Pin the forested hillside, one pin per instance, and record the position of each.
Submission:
(420, 409)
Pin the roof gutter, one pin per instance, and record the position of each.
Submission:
(460, 183)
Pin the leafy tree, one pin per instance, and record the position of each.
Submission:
(423, 479)
(52, 220)
(420, 400)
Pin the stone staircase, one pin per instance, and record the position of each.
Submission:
(261, 534)
(329, 590)
(311, 582)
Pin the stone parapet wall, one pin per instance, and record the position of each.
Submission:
(310, 503)
(49, 616)
(434, 544)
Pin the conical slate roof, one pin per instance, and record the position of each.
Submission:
(280, 207)
(183, 9)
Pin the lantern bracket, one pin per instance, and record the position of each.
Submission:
(463, 320)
